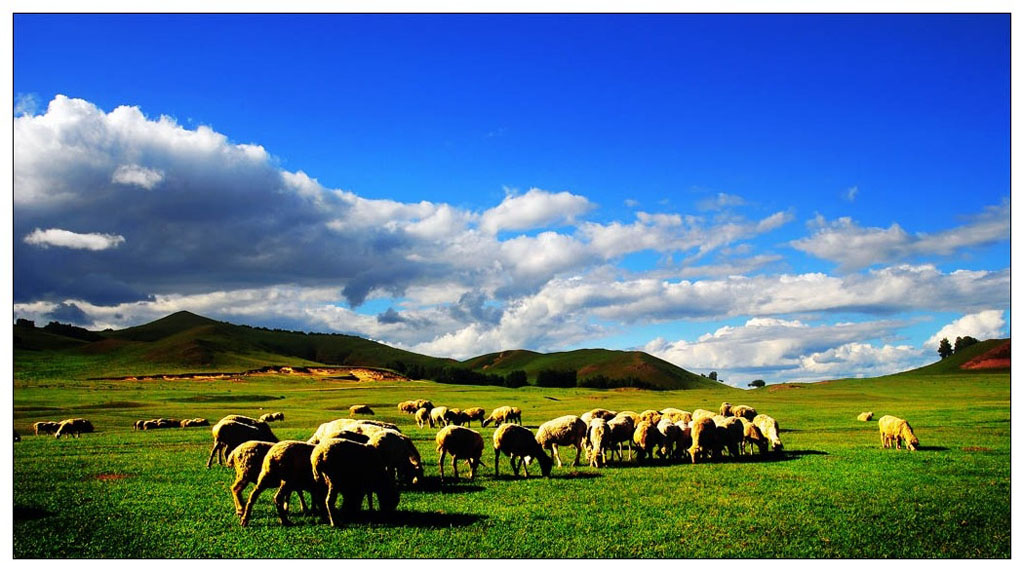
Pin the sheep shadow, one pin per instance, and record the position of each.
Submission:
(23, 513)
(415, 519)
(449, 486)
(931, 448)
(574, 475)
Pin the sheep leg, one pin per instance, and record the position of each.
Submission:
(579, 448)
(236, 494)
(554, 453)
(440, 464)
(455, 466)
(216, 446)
(329, 499)
(497, 457)
(281, 503)
(252, 500)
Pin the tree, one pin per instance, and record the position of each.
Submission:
(756, 383)
(713, 376)
(945, 349)
(964, 342)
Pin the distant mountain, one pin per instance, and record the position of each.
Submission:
(186, 342)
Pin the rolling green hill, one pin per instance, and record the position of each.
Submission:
(955, 363)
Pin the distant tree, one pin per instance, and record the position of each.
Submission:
(756, 383)
(556, 378)
(25, 323)
(515, 378)
(713, 376)
(964, 342)
(945, 349)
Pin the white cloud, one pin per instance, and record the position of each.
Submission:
(137, 175)
(25, 104)
(721, 201)
(537, 208)
(851, 193)
(73, 240)
(982, 325)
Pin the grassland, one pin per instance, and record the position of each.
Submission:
(119, 493)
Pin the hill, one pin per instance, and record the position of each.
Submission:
(988, 356)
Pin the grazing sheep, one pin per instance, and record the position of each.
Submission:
(567, 430)
(45, 427)
(730, 434)
(137, 426)
(474, 414)
(287, 465)
(240, 419)
(650, 415)
(229, 433)
(647, 440)
(338, 427)
(353, 470)
(682, 446)
(770, 429)
(437, 416)
(894, 430)
(401, 459)
(455, 416)
(701, 414)
(461, 443)
(275, 416)
(424, 403)
(704, 434)
(671, 438)
(74, 426)
(516, 415)
(866, 416)
(744, 411)
(517, 441)
(725, 410)
(597, 414)
(676, 415)
(598, 439)
(423, 418)
(361, 409)
(620, 430)
(752, 436)
(500, 415)
(408, 406)
(247, 460)
(196, 422)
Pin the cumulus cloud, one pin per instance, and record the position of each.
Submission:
(537, 208)
(852, 246)
(851, 193)
(76, 241)
(137, 175)
(721, 201)
(980, 325)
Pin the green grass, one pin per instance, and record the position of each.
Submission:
(119, 493)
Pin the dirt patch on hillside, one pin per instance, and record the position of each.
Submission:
(996, 358)
(111, 476)
(783, 387)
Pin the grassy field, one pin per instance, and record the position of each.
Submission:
(118, 493)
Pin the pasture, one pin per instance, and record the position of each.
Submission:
(119, 493)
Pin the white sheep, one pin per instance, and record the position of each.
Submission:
(74, 426)
(597, 413)
(461, 443)
(725, 410)
(894, 430)
(866, 416)
(287, 465)
(730, 434)
(752, 436)
(682, 446)
(423, 418)
(567, 431)
(353, 470)
(744, 411)
(671, 438)
(229, 433)
(704, 434)
(770, 429)
(360, 409)
(598, 439)
(519, 442)
(275, 416)
(474, 414)
(620, 430)
(647, 440)
(437, 416)
(676, 415)
(503, 414)
(400, 456)
(45, 427)
(650, 415)
(334, 429)
(701, 414)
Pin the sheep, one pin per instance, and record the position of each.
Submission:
(500, 415)
(196, 422)
(354, 470)
(631, 415)
(461, 443)
(671, 437)
(752, 436)
(455, 416)
(866, 416)
(702, 413)
(567, 430)
(704, 434)
(474, 414)
(682, 446)
(423, 418)
(650, 415)
(361, 409)
(424, 403)
(408, 406)
(74, 426)
(332, 429)
(744, 411)
(287, 465)
(247, 460)
(229, 433)
(137, 426)
(647, 440)
(770, 429)
(516, 415)
(598, 439)
(893, 430)
(730, 434)
(675, 415)
(518, 441)
(437, 416)
(150, 424)
(45, 427)
(620, 430)
(597, 414)
(725, 409)
(275, 416)
(401, 459)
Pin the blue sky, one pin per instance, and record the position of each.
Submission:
(790, 197)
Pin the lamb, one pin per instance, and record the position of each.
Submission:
(704, 434)
(752, 436)
(500, 415)
(354, 470)
(620, 430)
(275, 416)
(333, 429)
(730, 434)
(671, 438)
(650, 415)
(518, 441)
(567, 430)
(725, 410)
(647, 440)
(401, 459)
(744, 411)
(598, 439)
(770, 429)
(474, 414)
(247, 459)
(893, 430)
(74, 426)
(437, 416)
(45, 427)
(702, 413)
(676, 415)
(423, 418)
(461, 443)
(597, 413)
(361, 409)
(229, 433)
(866, 416)
(287, 465)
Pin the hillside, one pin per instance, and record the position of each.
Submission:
(968, 359)
(186, 342)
